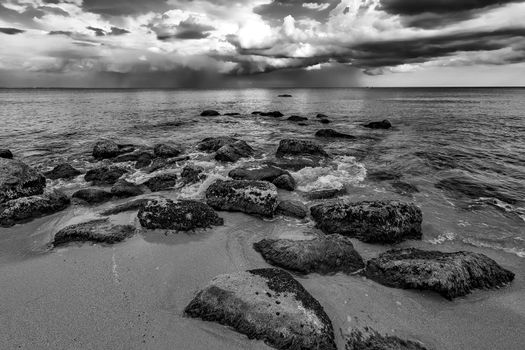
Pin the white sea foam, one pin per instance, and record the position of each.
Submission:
(442, 238)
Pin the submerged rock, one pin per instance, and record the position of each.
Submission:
(108, 149)
(324, 121)
(295, 147)
(96, 231)
(280, 178)
(234, 151)
(27, 208)
(210, 113)
(274, 114)
(266, 304)
(375, 341)
(106, 175)
(370, 221)
(233, 114)
(285, 182)
(212, 144)
(331, 133)
(293, 209)
(161, 182)
(62, 171)
(385, 124)
(128, 206)
(383, 175)
(450, 274)
(192, 174)
(468, 187)
(18, 180)
(285, 95)
(161, 163)
(321, 116)
(163, 150)
(131, 157)
(251, 197)
(324, 255)
(5, 153)
(295, 164)
(93, 195)
(326, 193)
(144, 160)
(296, 118)
(123, 189)
(183, 215)
(404, 188)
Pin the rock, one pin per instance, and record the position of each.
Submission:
(266, 173)
(324, 121)
(302, 124)
(294, 147)
(129, 157)
(404, 188)
(232, 114)
(331, 133)
(296, 118)
(212, 144)
(295, 164)
(128, 206)
(370, 221)
(93, 195)
(265, 304)
(383, 175)
(62, 171)
(27, 208)
(96, 231)
(375, 341)
(160, 163)
(109, 149)
(19, 180)
(161, 182)
(106, 175)
(285, 182)
(183, 215)
(274, 114)
(321, 116)
(123, 189)
(234, 151)
(293, 209)
(385, 124)
(285, 95)
(256, 113)
(5, 153)
(210, 113)
(324, 255)
(465, 186)
(192, 174)
(163, 150)
(326, 194)
(251, 197)
(450, 274)
(144, 160)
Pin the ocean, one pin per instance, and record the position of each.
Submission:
(459, 151)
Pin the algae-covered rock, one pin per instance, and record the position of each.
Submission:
(93, 195)
(107, 149)
(18, 179)
(164, 150)
(285, 182)
(123, 189)
(212, 144)
(450, 274)
(251, 197)
(331, 133)
(295, 147)
(105, 175)
(375, 341)
(96, 231)
(183, 215)
(370, 221)
(266, 304)
(234, 151)
(6, 153)
(324, 255)
(293, 209)
(280, 178)
(384, 124)
(161, 182)
(210, 113)
(62, 171)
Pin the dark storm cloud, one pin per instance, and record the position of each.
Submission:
(60, 32)
(124, 7)
(11, 31)
(279, 9)
(187, 29)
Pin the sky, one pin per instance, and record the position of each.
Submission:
(261, 43)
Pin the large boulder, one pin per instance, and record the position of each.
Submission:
(450, 274)
(324, 255)
(92, 195)
(266, 304)
(234, 151)
(294, 147)
(212, 144)
(62, 171)
(123, 189)
(27, 208)
(251, 197)
(105, 175)
(294, 209)
(210, 113)
(280, 178)
(385, 124)
(161, 182)
(6, 153)
(19, 180)
(106, 150)
(372, 340)
(96, 231)
(163, 150)
(370, 221)
(183, 215)
(331, 133)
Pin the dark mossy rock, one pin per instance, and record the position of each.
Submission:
(192, 174)
(108, 149)
(274, 114)
(123, 189)
(296, 118)
(331, 133)
(106, 175)
(183, 215)
(285, 95)
(232, 114)
(370, 221)
(324, 121)
(62, 171)
(321, 116)
(6, 153)
(25, 209)
(285, 182)
(234, 151)
(295, 164)
(404, 188)
(163, 150)
(210, 113)
(128, 206)
(463, 186)
(144, 160)
(93, 195)
(266, 304)
(256, 113)
(18, 180)
(326, 193)
(385, 124)
(450, 274)
(164, 163)
(96, 231)
(212, 144)
(161, 182)
(295, 147)
(375, 341)
(251, 197)
(265, 173)
(294, 209)
(324, 255)
(383, 175)
(131, 157)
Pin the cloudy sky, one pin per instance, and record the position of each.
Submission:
(261, 43)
